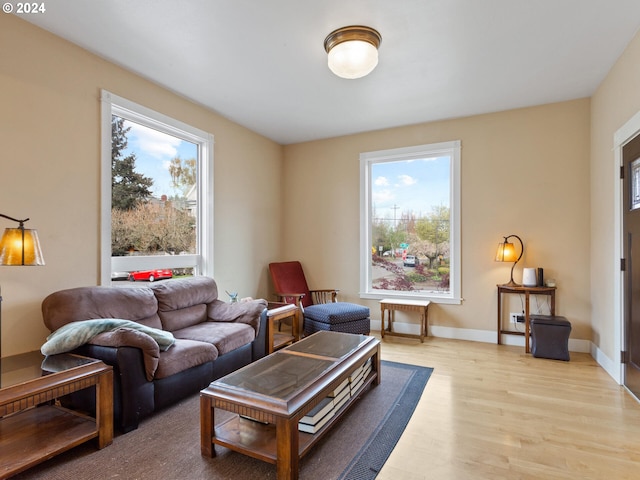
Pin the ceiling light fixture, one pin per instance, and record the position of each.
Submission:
(352, 51)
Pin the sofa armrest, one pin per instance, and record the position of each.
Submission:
(326, 295)
(245, 312)
(292, 298)
(259, 345)
(132, 392)
(124, 337)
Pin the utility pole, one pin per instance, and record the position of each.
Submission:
(395, 209)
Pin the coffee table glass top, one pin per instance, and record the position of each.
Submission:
(329, 344)
(286, 372)
(279, 375)
(29, 366)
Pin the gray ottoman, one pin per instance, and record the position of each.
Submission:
(337, 317)
(550, 337)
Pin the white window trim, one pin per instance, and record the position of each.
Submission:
(451, 148)
(115, 105)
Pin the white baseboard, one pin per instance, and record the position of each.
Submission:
(609, 366)
(489, 336)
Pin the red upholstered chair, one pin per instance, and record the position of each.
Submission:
(320, 308)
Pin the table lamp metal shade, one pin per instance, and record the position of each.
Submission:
(507, 253)
(20, 246)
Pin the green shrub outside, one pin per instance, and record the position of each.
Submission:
(416, 277)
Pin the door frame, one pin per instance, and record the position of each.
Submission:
(625, 133)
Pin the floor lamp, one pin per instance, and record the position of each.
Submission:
(18, 246)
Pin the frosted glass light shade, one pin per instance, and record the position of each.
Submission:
(12, 251)
(352, 51)
(353, 59)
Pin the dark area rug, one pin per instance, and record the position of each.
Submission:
(167, 445)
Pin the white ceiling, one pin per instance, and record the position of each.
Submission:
(262, 63)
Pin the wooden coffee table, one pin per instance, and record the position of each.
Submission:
(33, 426)
(270, 396)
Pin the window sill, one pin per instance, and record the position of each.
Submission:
(405, 296)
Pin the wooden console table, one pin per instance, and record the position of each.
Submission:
(419, 306)
(34, 426)
(527, 292)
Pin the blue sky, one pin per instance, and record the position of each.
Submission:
(154, 150)
(412, 185)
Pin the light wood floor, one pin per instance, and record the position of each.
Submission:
(492, 412)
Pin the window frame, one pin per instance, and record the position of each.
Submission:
(367, 159)
(202, 260)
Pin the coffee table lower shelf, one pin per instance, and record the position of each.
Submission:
(258, 440)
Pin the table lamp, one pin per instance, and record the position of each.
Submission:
(18, 246)
(507, 253)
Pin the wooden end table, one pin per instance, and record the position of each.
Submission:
(406, 305)
(277, 312)
(527, 292)
(33, 426)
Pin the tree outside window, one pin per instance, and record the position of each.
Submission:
(151, 213)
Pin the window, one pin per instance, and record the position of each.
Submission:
(410, 223)
(157, 195)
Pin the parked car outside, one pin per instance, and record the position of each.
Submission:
(411, 261)
(151, 275)
(119, 276)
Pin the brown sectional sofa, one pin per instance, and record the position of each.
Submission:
(212, 338)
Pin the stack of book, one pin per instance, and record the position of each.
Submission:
(340, 395)
(356, 380)
(315, 419)
(319, 415)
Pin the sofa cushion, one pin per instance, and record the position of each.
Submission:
(177, 299)
(183, 355)
(185, 317)
(223, 335)
(185, 292)
(88, 303)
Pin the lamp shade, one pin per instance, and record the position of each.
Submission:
(20, 246)
(352, 51)
(506, 252)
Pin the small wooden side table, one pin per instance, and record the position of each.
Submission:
(391, 305)
(34, 426)
(527, 292)
(276, 312)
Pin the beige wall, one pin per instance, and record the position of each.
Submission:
(615, 102)
(544, 173)
(50, 172)
(524, 172)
